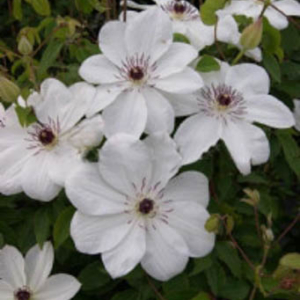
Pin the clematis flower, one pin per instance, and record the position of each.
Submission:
(231, 100)
(28, 279)
(132, 211)
(139, 61)
(297, 114)
(186, 20)
(253, 9)
(36, 159)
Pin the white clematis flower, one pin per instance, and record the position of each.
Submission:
(132, 211)
(139, 62)
(186, 20)
(253, 9)
(297, 114)
(231, 100)
(28, 279)
(37, 159)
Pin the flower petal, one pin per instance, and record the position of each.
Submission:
(289, 7)
(112, 43)
(276, 19)
(150, 34)
(125, 163)
(58, 287)
(36, 181)
(249, 79)
(126, 255)
(160, 112)
(189, 221)
(188, 186)
(93, 234)
(267, 110)
(6, 291)
(227, 30)
(38, 265)
(196, 135)
(12, 267)
(98, 69)
(128, 114)
(184, 82)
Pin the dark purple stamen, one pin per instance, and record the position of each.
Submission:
(224, 99)
(136, 73)
(146, 206)
(46, 136)
(23, 295)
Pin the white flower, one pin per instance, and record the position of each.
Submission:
(131, 211)
(36, 159)
(28, 279)
(2, 115)
(232, 99)
(297, 114)
(139, 62)
(253, 8)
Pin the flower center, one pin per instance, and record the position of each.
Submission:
(23, 295)
(146, 206)
(179, 8)
(136, 73)
(46, 136)
(224, 99)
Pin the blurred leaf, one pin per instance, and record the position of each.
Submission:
(207, 64)
(17, 9)
(41, 226)
(291, 260)
(272, 66)
(201, 264)
(25, 115)
(208, 11)
(202, 296)
(42, 7)
(235, 290)
(178, 37)
(126, 295)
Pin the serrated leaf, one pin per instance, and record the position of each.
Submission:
(41, 226)
(42, 7)
(61, 229)
(207, 64)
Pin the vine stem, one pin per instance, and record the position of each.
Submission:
(253, 293)
(124, 10)
(283, 234)
(155, 290)
(238, 57)
(217, 43)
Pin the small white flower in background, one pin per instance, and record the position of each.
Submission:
(37, 158)
(231, 100)
(132, 211)
(138, 63)
(297, 113)
(28, 279)
(253, 9)
(186, 20)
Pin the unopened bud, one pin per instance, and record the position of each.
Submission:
(268, 234)
(24, 46)
(9, 91)
(213, 223)
(253, 195)
(252, 35)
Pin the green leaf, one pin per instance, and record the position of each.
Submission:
(84, 6)
(272, 66)
(271, 38)
(41, 226)
(17, 9)
(25, 115)
(229, 255)
(202, 296)
(291, 260)
(235, 290)
(291, 150)
(42, 7)
(176, 284)
(201, 264)
(207, 64)
(208, 11)
(61, 229)
(96, 4)
(93, 276)
(178, 37)
(126, 295)
(216, 277)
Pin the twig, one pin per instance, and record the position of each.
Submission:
(257, 223)
(288, 17)
(155, 290)
(282, 235)
(124, 10)
(253, 293)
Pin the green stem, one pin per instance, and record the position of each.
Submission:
(238, 57)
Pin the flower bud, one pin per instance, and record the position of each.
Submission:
(9, 91)
(254, 197)
(213, 223)
(252, 35)
(24, 46)
(268, 234)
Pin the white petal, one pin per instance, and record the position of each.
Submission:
(216, 77)
(98, 69)
(276, 19)
(289, 7)
(227, 30)
(189, 221)
(150, 33)
(255, 54)
(184, 82)
(128, 114)
(38, 265)
(165, 158)
(125, 163)
(196, 135)
(105, 95)
(58, 287)
(183, 105)
(6, 291)
(93, 234)
(161, 260)
(36, 181)
(160, 112)
(90, 194)
(12, 267)
(267, 110)
(111, 41)
(249, 79)
(246, 7)
(188, 186)
(297, 114)
(178, 56)
(124, 257)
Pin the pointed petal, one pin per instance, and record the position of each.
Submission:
(128, 114)
(93, 234)
(6, 291)
(276, 19)
(227, 30)
(289, 7)
(38, 265)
